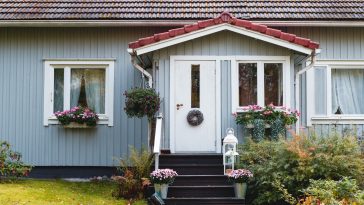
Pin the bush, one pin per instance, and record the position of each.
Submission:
(11, 164)
(343, 192)
(283, 169)
(133, 182)
(141, 102)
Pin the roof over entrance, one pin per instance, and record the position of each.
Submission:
(225, 21)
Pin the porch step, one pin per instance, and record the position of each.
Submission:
(170, 159)
(195, 169)
(202, 201)
(202, 180)
(200, 191)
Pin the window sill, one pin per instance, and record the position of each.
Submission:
(355, 119)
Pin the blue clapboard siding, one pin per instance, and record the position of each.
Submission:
(22, 51)
(356, 130)
(336, 43)
(224, 43)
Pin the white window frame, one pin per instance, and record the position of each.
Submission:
(50, 65)
(331, 118)
(260, 60)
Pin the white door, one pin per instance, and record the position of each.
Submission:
(194, 89)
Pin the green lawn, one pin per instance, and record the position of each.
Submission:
(52, 192)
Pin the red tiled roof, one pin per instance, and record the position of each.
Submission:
(225, 17)
(180, 9)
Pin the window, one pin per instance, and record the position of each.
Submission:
(247, 84)
(79, 83)
(347, 91)
(338, 92)
(195, 86)
(261, 82)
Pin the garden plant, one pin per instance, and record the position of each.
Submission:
(11, 164)
(133, 181)
(284, 170)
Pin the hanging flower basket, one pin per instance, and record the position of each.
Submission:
(141, 102)
(77, 117)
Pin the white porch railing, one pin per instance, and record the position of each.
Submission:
(157, 140)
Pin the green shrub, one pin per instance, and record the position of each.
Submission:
(133, 182)
(282, 169)
(343, 192)
(11, 164)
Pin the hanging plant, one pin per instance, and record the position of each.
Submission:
(277, 129)
(141, 102)
(258, 130)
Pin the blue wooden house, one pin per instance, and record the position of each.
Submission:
(216, 56)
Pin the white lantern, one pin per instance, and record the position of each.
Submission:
(229, 150)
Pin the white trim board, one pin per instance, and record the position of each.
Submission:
(215, 29)
(165, 23)
(49, 66)
(172, 102)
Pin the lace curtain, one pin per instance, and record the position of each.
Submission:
(88, 89)
(347, 91)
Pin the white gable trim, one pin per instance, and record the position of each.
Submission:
(215, 29)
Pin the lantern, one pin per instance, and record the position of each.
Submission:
(229, 150)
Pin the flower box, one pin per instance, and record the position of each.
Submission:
(77, 117)
(75, 125)
(251, 126)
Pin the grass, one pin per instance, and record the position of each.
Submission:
(54, 192)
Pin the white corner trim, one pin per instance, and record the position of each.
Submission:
(215, 29)
(50, 65)
(310, 96)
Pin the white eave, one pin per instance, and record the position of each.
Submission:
(214, 29)
(169, 23)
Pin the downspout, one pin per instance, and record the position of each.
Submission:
(297, 81)
(150, 83)
(141, 69)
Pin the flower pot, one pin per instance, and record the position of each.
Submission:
(75, 125)
(161, 190)
(240, 190)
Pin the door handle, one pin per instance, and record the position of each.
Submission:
(179, 105)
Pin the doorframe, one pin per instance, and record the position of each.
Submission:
(172, 103)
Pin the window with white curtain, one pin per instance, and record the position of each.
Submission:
(79, 83)
(338, 92)
(347, 91)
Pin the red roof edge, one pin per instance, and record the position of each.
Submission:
(225, 17)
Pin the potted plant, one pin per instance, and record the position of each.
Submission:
(259, 118)
(77, 117)
(162, 178)
(240, 177)
(141, 102)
